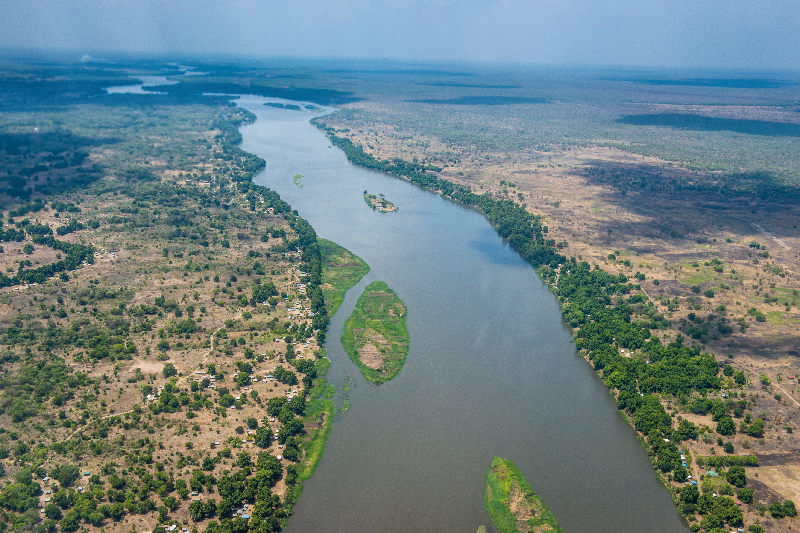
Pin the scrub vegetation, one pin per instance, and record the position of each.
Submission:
(161, 317)
(136, 252)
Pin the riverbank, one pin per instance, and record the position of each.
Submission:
(718, 271)
(173, 321)
(619, 330)
(375, 336)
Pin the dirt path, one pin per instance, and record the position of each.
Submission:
(769, 235)
(786, 394)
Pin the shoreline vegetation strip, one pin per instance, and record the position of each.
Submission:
(607, 314)
(378, 321)
(311, 258)
(341, 270)
(510, 499)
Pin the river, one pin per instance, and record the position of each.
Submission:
(490, 371)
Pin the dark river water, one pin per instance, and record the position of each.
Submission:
(491, 369)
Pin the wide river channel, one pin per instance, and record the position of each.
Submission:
(491, 369)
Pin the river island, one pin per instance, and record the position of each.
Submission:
(379, 203)
(512, 503)
(375, 336)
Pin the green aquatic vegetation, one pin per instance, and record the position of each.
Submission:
(512, 503)
(375, 336)
(341, 270)
(320, 412)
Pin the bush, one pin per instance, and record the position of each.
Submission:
(776, 510)
(736, 476)
(169, 370)
(726, 426)
(745, 495)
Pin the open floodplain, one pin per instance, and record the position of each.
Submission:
(679, 189)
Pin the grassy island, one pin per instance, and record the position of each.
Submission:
(375, 336)
(379, 203)
(512, 503)
(341, 270)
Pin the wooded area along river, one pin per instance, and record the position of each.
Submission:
(491, 369)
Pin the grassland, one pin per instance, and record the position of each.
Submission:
(511, 502)
(341, 270)
(375, 335)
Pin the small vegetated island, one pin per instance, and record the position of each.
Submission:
(379, 203)
(341, 269)
(512, 503)
(375, 336)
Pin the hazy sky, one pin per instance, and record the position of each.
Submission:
(750, 34)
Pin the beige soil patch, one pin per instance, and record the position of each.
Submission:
(784, 479)
(520, 508)
(42, 255)
(371, 356)
(148, 367)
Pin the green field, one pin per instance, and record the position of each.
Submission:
(512, 503)
(342, 270)
(378, 324)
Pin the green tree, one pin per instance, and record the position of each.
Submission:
(53, 512)
(776, 509)
(66, 474)
(745, 495)
(70, 522)
(171, 502)
(210, 509)
(690, 494)
(263, 437)
(196, 511)
(736, 476)
(726, 426)
(169, 370)
(756, 429)
(789, 509)
(687, 430)
(244, 460)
